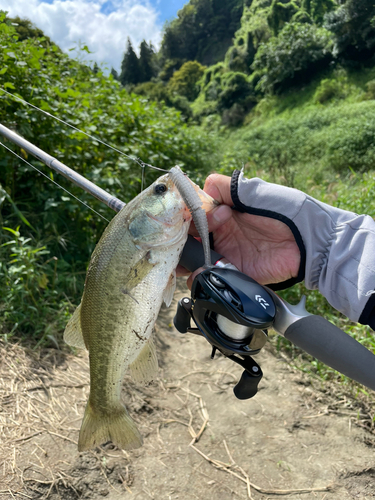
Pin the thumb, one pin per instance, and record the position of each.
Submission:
(218, 186)
(218, 216)
(190, 279)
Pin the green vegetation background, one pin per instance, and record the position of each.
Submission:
(307, 121)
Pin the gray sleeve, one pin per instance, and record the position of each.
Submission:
(337, 247)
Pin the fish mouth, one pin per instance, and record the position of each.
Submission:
(160, 220)
(208, 203)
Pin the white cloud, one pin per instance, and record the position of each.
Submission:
(102, 25)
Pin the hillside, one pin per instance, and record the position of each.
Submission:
(277, 46)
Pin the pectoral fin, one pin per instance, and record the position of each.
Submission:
(170, 289)
(137, 273)
(145, 367)
(73, 332)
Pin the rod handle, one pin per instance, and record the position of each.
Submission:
(327, 343)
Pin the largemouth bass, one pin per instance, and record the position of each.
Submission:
(131, 271)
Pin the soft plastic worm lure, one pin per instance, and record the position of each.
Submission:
(188, 191)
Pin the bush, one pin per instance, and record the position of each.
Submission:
(33, 289)
(236, 89)
(234, 116)
(184, 81)
(296, 55)
(370, 86)
(332, 88)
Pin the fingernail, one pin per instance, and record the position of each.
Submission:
(222, 214)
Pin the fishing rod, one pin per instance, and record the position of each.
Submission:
(233, 312)
(56, 165)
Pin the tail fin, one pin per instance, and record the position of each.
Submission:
(117, 427)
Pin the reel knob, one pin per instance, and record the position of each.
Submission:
(183, 315)
(247, 386)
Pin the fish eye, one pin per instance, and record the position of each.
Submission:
(160, 188)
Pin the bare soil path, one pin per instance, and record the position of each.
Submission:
(293, 440)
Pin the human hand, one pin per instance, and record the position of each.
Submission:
(260, 247)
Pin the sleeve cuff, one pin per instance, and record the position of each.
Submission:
(238, 205)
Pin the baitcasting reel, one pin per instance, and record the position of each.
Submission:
(233, 312)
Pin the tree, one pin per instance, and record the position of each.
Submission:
(293, 57)
(130, 70)
(203, 31)
(353, 26)
(115, 74)
(146, 62)
(317, 9)
(184, 81)
(281, 12)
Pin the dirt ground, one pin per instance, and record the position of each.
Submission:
(294, 439)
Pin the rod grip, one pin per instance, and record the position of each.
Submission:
(193, 255)
(327, 343)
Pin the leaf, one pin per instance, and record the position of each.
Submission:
(42, 281)
(17, 211)
(16, 233)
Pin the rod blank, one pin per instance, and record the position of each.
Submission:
(51, 162)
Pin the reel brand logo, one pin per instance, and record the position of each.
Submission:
(262, 301)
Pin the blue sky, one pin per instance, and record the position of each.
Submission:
(168, 8)
(102, 25)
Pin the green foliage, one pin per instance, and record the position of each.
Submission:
(296, 54)
(317, 9)
(130, 69)
(353, 27)
(226, 92)
(235, 89)
(328, 90)
(136, 70)
(25, 29)
(147, 63)
(370, 94)
(281, 13)
(184, 81)
(337, 87)
(308, 145)
(170, 66)
(254, 23)
(33, 289)
(202, 31)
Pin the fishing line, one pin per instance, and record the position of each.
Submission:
(57, 184)
(137, 160)
(143, 178)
